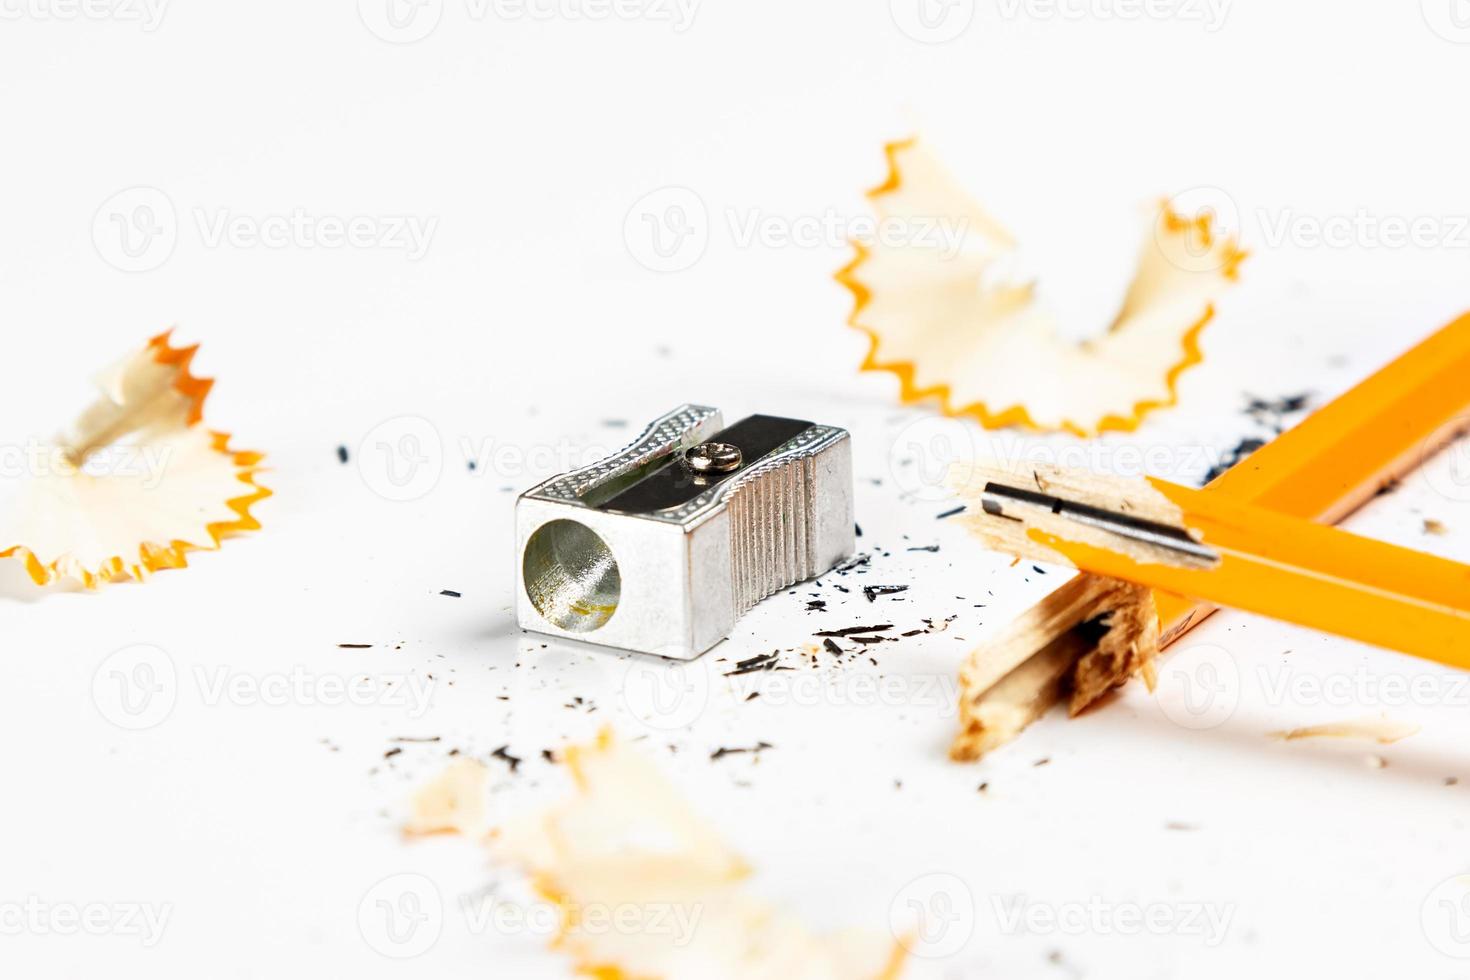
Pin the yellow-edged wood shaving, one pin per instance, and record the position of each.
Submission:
(134, 484)
(627, 848)
(951, 327)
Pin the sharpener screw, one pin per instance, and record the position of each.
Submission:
(714, 457)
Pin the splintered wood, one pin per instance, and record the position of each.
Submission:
(1081, 641)
(1078, 643)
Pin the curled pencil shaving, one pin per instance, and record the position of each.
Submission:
(626, 845)
(951, 328)
(135, 483)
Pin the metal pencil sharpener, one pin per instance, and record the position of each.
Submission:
(663, 546)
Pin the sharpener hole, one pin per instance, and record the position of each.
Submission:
(571, 576)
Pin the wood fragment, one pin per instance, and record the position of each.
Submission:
(452, 803)
(993, 716)
(1384, 731)
(1078, 643)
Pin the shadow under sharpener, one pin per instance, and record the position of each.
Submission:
(660, 550)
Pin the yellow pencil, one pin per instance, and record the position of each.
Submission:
(1204, 545)
(1344, 453)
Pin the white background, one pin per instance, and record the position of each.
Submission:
(527, 138)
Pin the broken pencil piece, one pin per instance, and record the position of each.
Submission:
(1190, 542)
(1329, 465)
